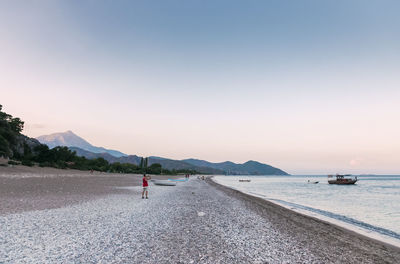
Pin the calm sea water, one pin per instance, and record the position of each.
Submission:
(372, 204)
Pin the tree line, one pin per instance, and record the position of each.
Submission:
(14, 145)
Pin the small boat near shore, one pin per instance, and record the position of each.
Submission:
(313, 182)
(164, 182)
(244, 180)
(342, 179)
(178, 180)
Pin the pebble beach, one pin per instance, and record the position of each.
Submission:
(194, 222)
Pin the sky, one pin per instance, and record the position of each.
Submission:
(310, 87)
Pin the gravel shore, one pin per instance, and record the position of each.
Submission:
(193, 222)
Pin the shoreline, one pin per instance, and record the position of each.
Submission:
(309, 222)
(346, 226)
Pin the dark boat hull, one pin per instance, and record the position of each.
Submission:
(342, 182)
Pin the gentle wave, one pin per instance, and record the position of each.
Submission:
(374, 202)
(343, 218)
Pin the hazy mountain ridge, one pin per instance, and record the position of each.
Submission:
(69, 139)
(248, 168)
(168, 164)
(85, 149)
(179, 164)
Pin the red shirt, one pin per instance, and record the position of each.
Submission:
(145, 183)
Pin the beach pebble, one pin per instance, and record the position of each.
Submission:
(201, 213)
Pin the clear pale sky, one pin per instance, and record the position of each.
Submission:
(306, 86)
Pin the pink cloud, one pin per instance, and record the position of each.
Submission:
(355, 161)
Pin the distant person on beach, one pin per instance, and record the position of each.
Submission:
(145, 186)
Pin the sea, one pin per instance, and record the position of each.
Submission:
(370, 207)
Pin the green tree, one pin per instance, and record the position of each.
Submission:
(16, 124)
(154, 168)
(4, 147)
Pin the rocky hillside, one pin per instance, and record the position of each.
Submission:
(12, 143)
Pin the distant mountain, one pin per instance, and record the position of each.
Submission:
(179, 164)
(85, 149)
(92, 155)
(69, 139)
(168, 164)
(248, 168)
(133, 159)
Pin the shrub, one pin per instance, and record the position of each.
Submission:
(27, 163)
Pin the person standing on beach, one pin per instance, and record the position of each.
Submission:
(145, 186)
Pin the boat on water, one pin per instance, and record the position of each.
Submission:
(342, 179)
(164, 182)
(244, 180)
(313, 182)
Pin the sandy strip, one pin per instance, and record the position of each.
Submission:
(193, 222)
(32, 188)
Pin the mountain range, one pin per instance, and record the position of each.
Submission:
(250, 167)
(85, 149)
